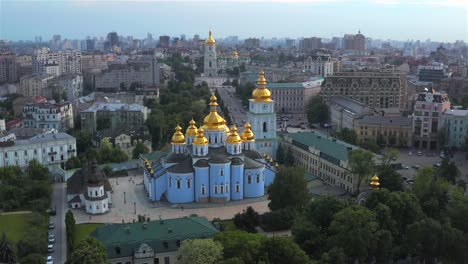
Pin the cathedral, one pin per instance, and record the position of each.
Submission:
(214, 163)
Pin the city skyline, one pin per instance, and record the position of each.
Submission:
(378, 19)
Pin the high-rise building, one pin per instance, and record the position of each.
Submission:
(90, 44)
(309, 44)
(210, 66)
(252, 43)
(68, 61)
(40, 58)
(290, 43)
(354, 42)
(111, 41)
(164, 41)
(8, 69)
(319, 64)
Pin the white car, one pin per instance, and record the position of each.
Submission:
(50, 248)
(50, 260)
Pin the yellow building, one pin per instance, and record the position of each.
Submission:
(393, 131)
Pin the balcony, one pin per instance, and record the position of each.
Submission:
(52, 153)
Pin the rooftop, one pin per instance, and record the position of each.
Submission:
(349, 104)
(385, 120)
(43, 138)
(115, 107)
(325, 144)
(453, 112)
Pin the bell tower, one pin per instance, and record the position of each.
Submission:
(210, 62)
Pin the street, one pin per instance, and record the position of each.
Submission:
(58, 202)
(236, 110)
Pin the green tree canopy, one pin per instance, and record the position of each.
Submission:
(140, 148)
(362, 164)
(289, 189)
(347, 135)
(241, 244)
(200, 251)
(88, 251)
(432, 191)
(317, 111)
(389, 178)
(449, 171)
(280, 250)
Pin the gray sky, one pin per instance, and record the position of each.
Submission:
(439, 20)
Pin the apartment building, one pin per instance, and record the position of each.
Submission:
(8, 68)
(455, 123)
(320, 64)
(344, 111)
(385, 130)
(33, 85)
(48, 115)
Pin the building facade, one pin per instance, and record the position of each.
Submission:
(48, 115)
(210, 61)
(345, 111)
(69, 85)
(383, 130)
(8, 68)
(309, 44)
(48, 149)
(455, 123)
(354, 42)
(211, 163)
(320, 65)
(34, 85)
(428, 110)
(323, 156)
(375, 89)
(151, 241)
(434, 72)
(114, 115)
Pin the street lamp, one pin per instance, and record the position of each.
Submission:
(125, 199)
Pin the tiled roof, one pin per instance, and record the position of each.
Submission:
(121, 240)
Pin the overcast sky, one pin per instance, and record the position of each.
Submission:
(439, 20)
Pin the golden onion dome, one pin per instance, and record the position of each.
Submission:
(178, 137)
(234, 138)
(235, 54)
(213, 121)
(261, 93)
(227, 130)
(192, 129)
(374, 184)
(248, 135)
(210, 40)
(200, 139)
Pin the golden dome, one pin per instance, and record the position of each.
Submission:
(233, 137)
(248, 135)
(227, 130)
(261, 94)
(374, 184)
(210, 40)
(235, 54)
(213, 121)
(192, 129)
(152, 171)
(200, 139)
(178, 137)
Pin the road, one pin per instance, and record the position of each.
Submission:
(230, 99)
(58, 202)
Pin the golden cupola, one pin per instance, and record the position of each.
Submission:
(235, 54)
(210, 40)
(375, 184)
(192, 129)
(261, 93)
(178, 137)
(200, 139)
(234, 138)
(213, 121)
(248, 135)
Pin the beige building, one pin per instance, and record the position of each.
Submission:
(8, 69)
(125, 139)
(33, 85)
(376, 89)
(93, 62)
(322, 156)
(384, 130)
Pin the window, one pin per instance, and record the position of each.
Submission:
(170, 182)
(222, 188)
(216, 189)
(97, 207)
(249, 179)
(227, 188)
(178, 183)
(166, 260)
(221, 172)
(188, 183)
(258, 178)
(237, 188)
(264, 127)
(104, 206)
(203, 190)
(95, 193)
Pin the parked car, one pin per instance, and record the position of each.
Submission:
(50, 248)
(50, 260)
(51, 239)
(410, 153)
(416, 167)
(436, 164)
(53, 212)
(51, 225)
(419, 153)
(405, 167)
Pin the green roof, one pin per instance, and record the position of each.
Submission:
(122, 240)
(293, 85)
(155, 155)
(329, 147)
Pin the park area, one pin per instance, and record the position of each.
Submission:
(82, 231)
(15, 225)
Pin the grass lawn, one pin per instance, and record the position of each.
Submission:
(229, 224)
(82, 231)
(14, 225)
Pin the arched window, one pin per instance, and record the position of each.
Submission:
(203, 190)
(258, 178)
(95, 192)
(188, 183)
(210, 62)
(264, 127)
(227, 188)
(216, 189)
(201, 152)
(237, 188)
(170, 182)
(178, 183)
(221, 172)
(249, 179)
(222, 188)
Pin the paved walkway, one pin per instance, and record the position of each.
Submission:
(129, 197)
(16, 212)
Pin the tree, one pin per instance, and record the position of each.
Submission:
(247, 220)
(38, 172)
(103, 123)
(281, 219)
(317, 111)
(200, 251)
(334, 256)
(289, 189)
(390, 179)
(73, 163)
(140, 148)
(388, 155)
(280, 250)
(34, 241)
(380, 140)
(449, 171)
(70, 229)
(33, 258)
(88, 251)
(362, 164)
(280, 154)
(353, 229)
(348, 136)
(431, 191)
(241, 244)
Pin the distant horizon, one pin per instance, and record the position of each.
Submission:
(437, 20)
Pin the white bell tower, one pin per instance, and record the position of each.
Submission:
(210, 61)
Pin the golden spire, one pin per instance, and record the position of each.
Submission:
(374, 184)
(261, 94)
(234, 137)
(152, 171)
(210, 40)
(213, 121)
(192, 129)
(200, 139)
(235, 54)
(178, 137)
(248, 135)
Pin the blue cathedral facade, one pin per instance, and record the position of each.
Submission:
(213, 163)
